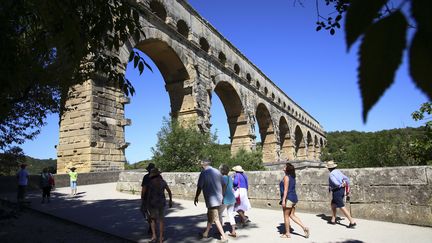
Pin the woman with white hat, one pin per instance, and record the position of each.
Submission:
(241, 185)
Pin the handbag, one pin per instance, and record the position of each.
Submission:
(237, 192)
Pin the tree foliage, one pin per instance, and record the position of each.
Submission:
(382, 27)
(394, 147)
(422, 147)
(47, 46)
(10, 160)
(180, 148)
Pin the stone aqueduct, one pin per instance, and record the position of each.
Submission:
(196, 61)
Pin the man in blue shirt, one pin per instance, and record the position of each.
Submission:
(337, 183)
(210, 182)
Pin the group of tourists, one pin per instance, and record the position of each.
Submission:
(46, 183)
(228, 195)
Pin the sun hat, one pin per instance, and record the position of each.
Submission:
(238, 168)
(331, 164)
(150, 166)
(155, 172)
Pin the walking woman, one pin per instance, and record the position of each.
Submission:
(228, 199)
(289, 200)
(241, 185)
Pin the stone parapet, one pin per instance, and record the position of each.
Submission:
(396, 194)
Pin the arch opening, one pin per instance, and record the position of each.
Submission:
(183, 28)
(286, 144)
(266, 130)
(237, 120)
(300, 148)
(159, 9)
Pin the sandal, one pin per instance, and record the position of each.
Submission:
(232, 235)
(284, 236)
(153, 241)
(352, 225)
(203, 236)
(307, 232)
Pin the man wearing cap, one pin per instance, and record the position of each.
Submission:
(337, 183)
(144, 195)
(22, 177)
(210, 182)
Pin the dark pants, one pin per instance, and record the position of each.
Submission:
(46, 191)
(338, 197)
(21, 192)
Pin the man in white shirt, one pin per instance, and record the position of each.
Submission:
(22, 177)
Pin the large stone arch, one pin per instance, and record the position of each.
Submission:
(240, 134)
(92, 127)
(286, 143)
(300, 148)
(267, 133)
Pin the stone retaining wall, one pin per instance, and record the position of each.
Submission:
(9, 183)
(397, 194)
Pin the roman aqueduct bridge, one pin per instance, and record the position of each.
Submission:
(196, 62)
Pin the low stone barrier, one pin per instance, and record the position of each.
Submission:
(395, 194)
(9, 183)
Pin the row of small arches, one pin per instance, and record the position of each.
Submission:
(159, 10)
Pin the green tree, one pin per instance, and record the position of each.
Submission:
(422, 147)
(180, 147)
(47, 46)
(10, 160)
(382, 27)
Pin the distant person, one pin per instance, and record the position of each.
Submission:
(289, 200)
(156, 202)
(228, 199)
(73, 176)
(241, 186)
(46, 184)
(23, 177)
(337, 183)
(210, 182)
(144, 193)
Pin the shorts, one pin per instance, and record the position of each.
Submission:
(213, 214)
(156, 213)
(289, 204)
(73, 184)
(338, 197)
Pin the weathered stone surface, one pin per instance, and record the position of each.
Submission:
(191, 75)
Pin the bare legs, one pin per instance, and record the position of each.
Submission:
(161, 230)
(344, 211)
(218, 226)
(290, 213)
(286, 214)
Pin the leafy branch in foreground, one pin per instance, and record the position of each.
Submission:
(383, 28)
(48, 46)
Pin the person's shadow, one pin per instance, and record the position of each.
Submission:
(328, 219)
(281, 230)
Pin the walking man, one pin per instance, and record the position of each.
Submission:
(22, 177)
(210, 182)
(337, 183)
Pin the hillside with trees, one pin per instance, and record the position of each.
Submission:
(396, 147)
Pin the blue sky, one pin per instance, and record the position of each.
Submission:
(279, 37)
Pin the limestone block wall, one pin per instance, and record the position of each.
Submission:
(8, 184)
(398, 194)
